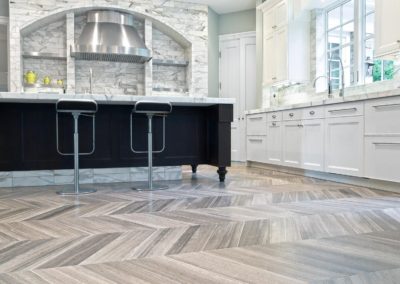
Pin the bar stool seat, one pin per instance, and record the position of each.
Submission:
(151, 109)
(77, 108)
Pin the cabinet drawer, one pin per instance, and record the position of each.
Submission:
(382, 158)
(256, 148)
(274, 116)
(313, 113)
(295, 114)
(343, 110)
(257, 124)
(382, 116)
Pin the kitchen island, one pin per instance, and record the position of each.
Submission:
(198, 131)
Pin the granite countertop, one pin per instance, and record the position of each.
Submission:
(10, 97)
(352, 98)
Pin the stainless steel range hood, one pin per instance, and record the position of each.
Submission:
(110, 36)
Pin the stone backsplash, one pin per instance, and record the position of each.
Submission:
(184, 36)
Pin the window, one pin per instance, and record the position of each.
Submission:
(350, 38)
(340, 43)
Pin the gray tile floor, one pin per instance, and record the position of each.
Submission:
(258, 227)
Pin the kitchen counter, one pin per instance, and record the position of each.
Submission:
(8, 97)
(345, 99)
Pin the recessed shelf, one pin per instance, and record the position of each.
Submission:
(167, 62)
(44, 55)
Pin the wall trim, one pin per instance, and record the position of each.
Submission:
(356, 181)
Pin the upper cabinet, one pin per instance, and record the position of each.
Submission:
(387, 32)
(283, 62)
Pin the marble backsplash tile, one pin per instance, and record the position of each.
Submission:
(87, 176)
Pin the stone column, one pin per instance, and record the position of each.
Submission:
(70, 41)
(148, 68)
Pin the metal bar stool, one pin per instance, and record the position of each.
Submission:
(151, 109)
(76, 107)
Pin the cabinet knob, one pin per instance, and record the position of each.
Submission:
(291, 114)
(274, 116)
(312, 112)
(273, 123)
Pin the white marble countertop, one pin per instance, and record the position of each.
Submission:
(9, 97)
(352, 98)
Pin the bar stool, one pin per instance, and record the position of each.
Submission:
(76, 107)
(151, 109)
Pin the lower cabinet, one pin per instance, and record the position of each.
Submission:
(274, 143)
(292, 143)
(312, 157)
(257, 149)
(344, 145)
(382, 158)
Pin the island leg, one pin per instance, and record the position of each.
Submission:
(194, 168)
(222, 173)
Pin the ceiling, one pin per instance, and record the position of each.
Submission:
(227, 6)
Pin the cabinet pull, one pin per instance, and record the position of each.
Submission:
(255, 118)
(386, 143)
(291, 114)
(273, 124)
(389, 105)
(256, 139)
(274, 116)
(312, 112)
(274, 26)
(344, 109)
(300, 125)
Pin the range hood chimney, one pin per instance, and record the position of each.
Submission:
(110, 36)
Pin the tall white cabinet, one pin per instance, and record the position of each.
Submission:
(237, 68)
(284, 62)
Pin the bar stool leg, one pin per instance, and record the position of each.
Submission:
(76, 190)
(150, 185)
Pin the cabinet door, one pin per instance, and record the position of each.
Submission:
(344, 144)
(382, 158)
(281, 14)
(274, 143)
(281, 73)
(292, 143)
(269, 59)
(387, 32)
(313, 144)
(256, 148)
(268, 22)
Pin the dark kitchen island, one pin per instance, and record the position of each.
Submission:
(198, 131)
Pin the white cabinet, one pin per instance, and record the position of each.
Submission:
(382, 158)
(257, 149)
(344, 145)
(283, 62)
(274, 143)
(382, 116)
(292, 143)
(312, 151)
(256, 124)
(387, 32)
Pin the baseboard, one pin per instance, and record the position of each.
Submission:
(363, 182)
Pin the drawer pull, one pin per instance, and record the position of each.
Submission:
(386, 143)
(343, 109)
(291, 114)
(300, 125)
(389, 105)
(273, 124)
(274, 116)
(255, 118)
(312, 112)
(255, 140)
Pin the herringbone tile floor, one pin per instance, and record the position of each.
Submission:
(259, 227)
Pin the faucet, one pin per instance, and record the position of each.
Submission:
(328, 83)
(341, 91)
(91, 80)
